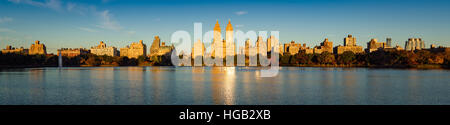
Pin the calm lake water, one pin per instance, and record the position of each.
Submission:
(222, 85)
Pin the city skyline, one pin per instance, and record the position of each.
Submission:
(75, 24)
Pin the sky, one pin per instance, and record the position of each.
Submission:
(83, 23)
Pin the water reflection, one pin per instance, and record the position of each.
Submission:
(229, 85)
(223, 82)
(36, 86)
(198, 82)
(222, 86)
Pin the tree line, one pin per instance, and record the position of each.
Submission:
(404, 59)
(374, 59)
(24, 60)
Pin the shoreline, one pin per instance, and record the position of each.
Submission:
(427, 66)
(423, 66)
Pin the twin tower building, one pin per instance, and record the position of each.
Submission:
(226, 47)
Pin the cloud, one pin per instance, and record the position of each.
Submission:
(107, 22)
(239, 13)
(6, 19)
(7, 30)
(157, 19)
(80, 8)
(52, 4)
(71, 6)
(87, 29)
(131, 32)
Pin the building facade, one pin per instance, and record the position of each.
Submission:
(350, 41)
(218, 45)
(134, 50)
(414, 44)
(269, 44)
(10, 49)
(225, 46)
(325, 46)
(261, 47)
(392, 49)
(102, 49)
(440, 49)
(293, 48)
(198, 50)
(230, 46)
(388, 42)
(37, 48)
(247, 47)
(374, 45)
(349, 45)
(69, 52)
(158, 48)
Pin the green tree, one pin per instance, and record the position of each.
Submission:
(122, 61)
(285, 59)
(346, 58)
(423, 57)
(303, 58)
(325, 58)
(93, 61)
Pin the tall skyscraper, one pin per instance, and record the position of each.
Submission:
(269, 44)
(350, 41)
(218, 42)
(414, 44)
(388, 42)
(230, 46)
(230, 49)
(37, 48)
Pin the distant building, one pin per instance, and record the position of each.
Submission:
(241, 51)
(388, 42)
(292, 47)
(432, 46)
(102, 49)
(349, 45)
(261, 46)
(225, 46)
(350, 41)
(440, 49)
(247, 47)
(218, 44)
(325, 46)
(158, 48)
(198, 50)
(69, 52)
(230, 47)
(374, 45)
(391, 49)
(134, 50)
(281, 49)
(37, 48)
(414, 44)
(252, 51)
(307, 50)
(269, 44)
(10, 49)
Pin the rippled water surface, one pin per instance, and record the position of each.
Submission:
(222, 85)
